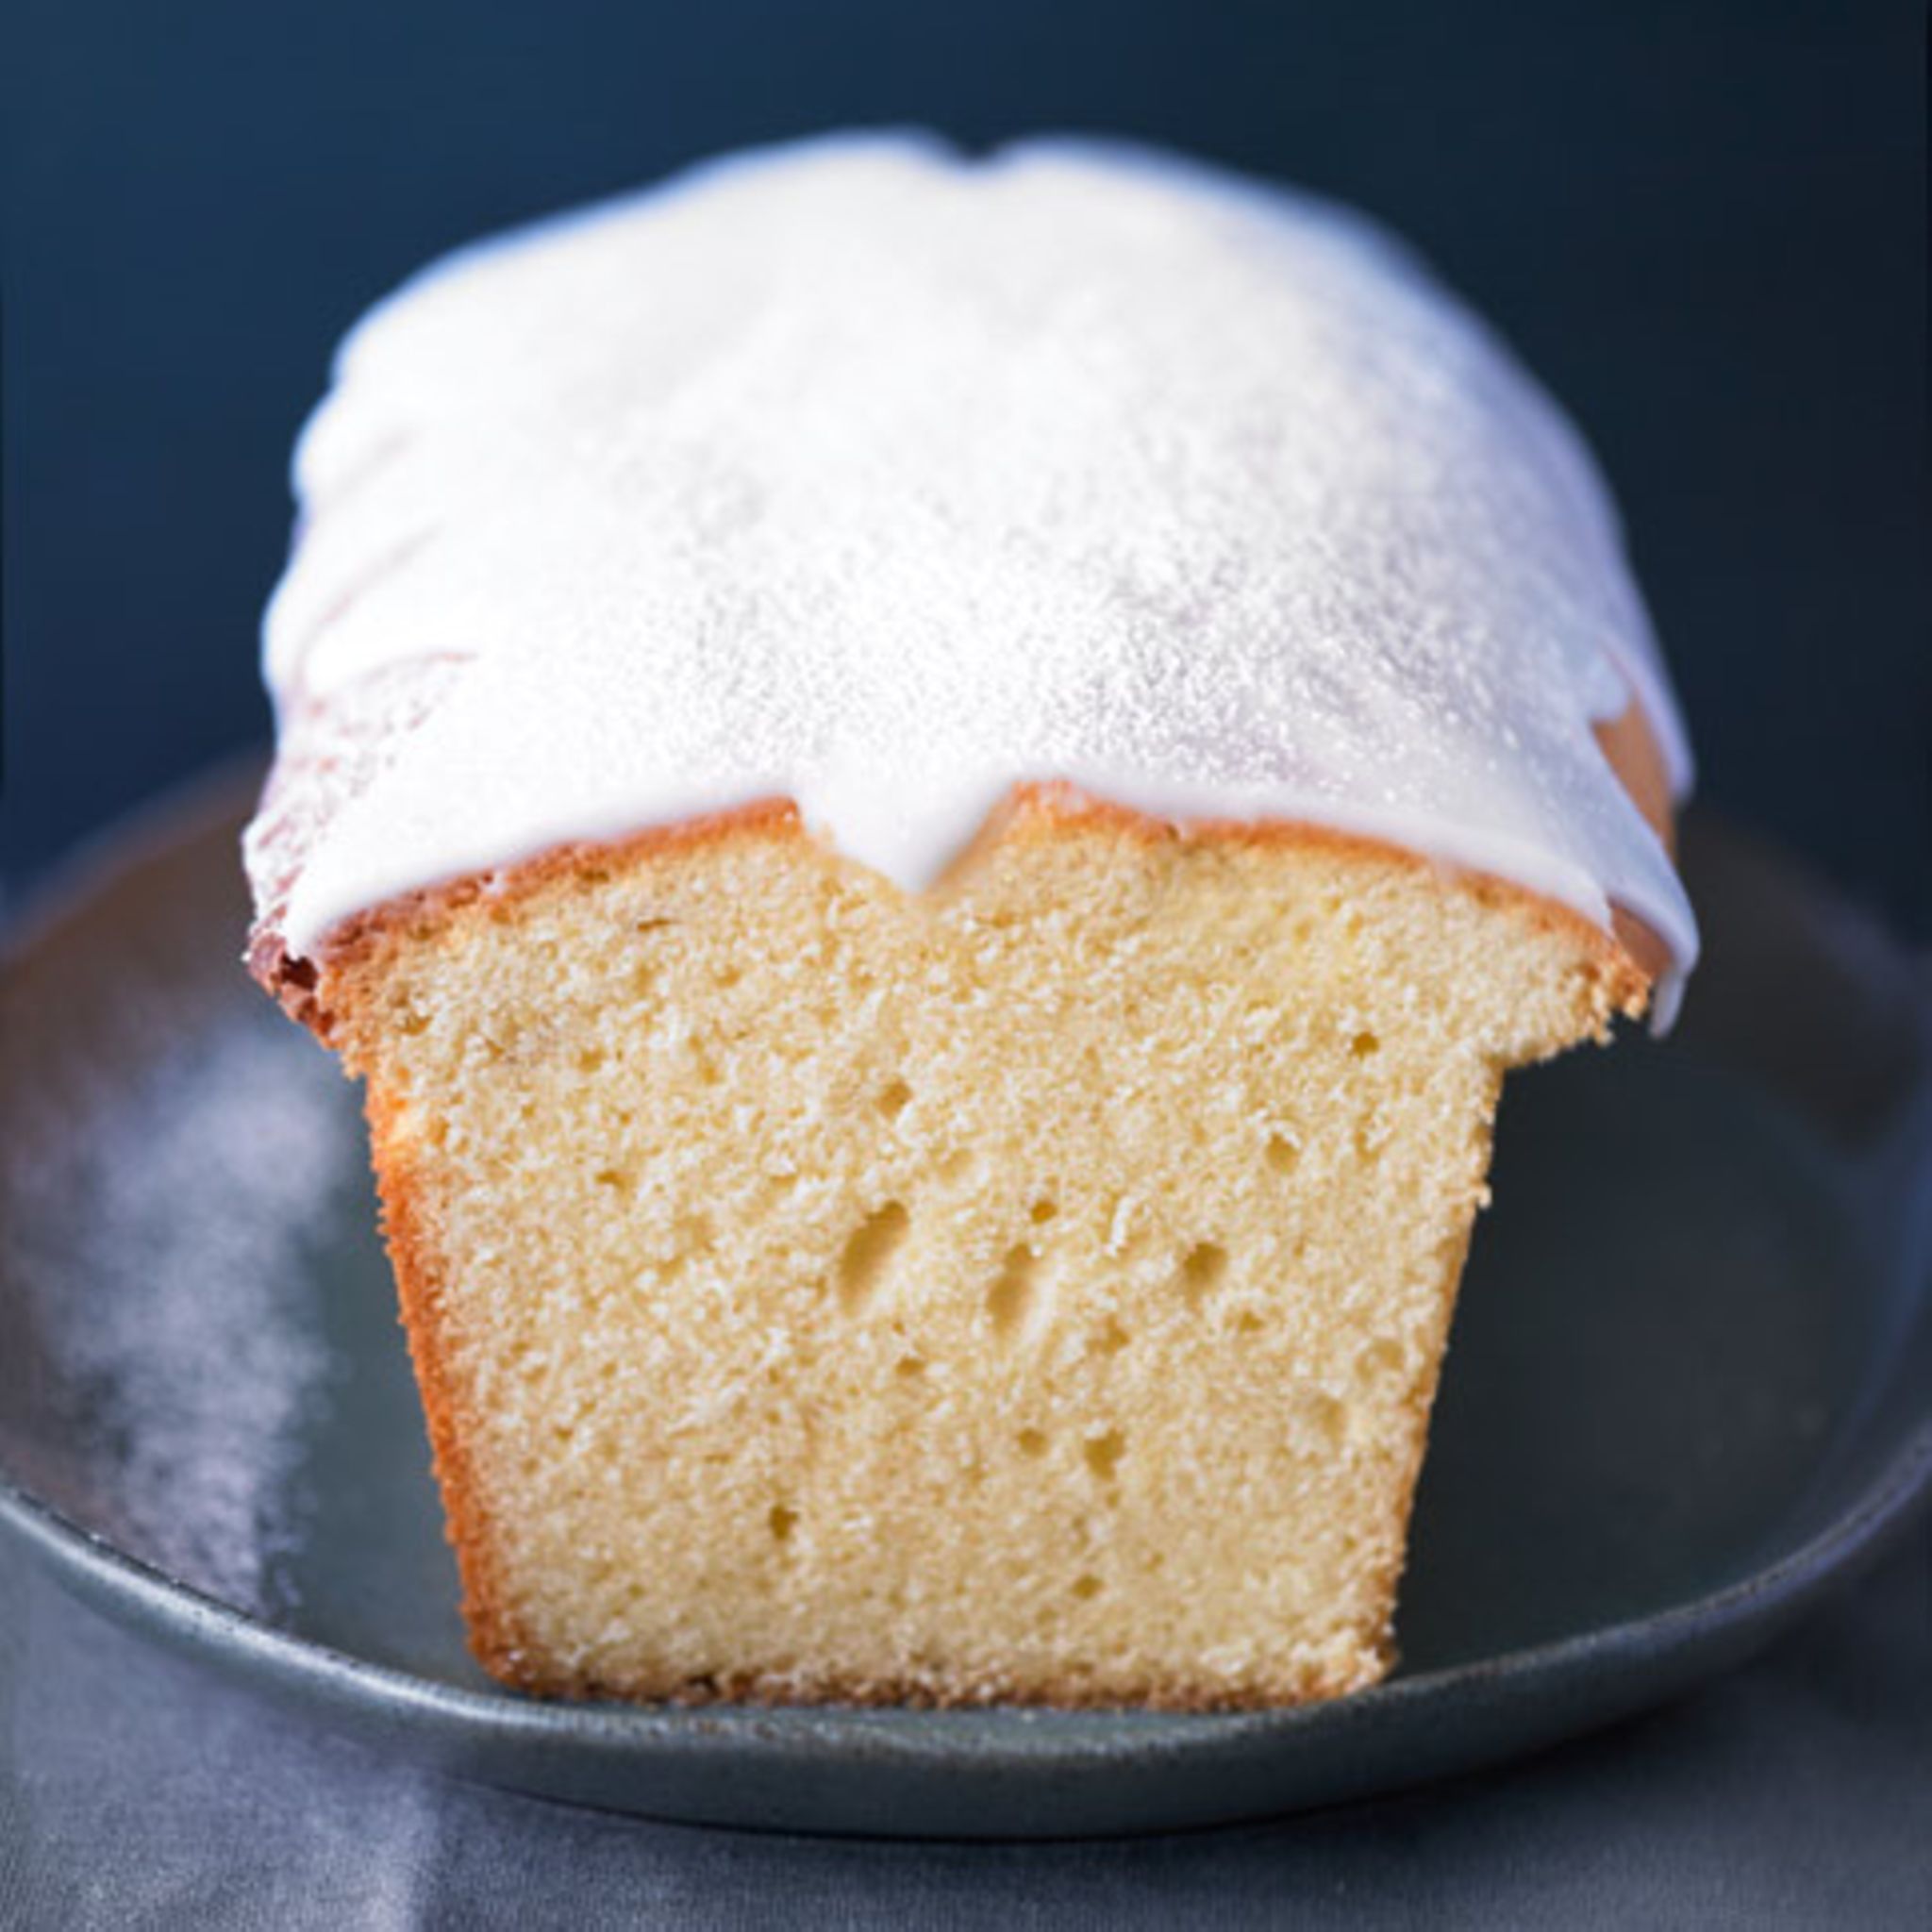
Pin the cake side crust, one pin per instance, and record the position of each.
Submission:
(421, 1291)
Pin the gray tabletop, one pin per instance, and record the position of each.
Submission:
(135, 1790)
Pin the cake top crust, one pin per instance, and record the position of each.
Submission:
(867, 475)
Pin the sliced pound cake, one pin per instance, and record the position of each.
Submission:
(932, 797)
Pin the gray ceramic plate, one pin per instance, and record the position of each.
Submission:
(1688, 1388)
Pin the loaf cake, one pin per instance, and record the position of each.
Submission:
(932, 794)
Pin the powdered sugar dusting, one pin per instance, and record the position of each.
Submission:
(157, 1236)
(861, 475)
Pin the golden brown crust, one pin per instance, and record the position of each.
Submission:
(1422, 1400)
(1632, 751)
(420, 1292)
(771, 1689)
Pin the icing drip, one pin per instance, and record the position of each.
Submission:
(881, 479)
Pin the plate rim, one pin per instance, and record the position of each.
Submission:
(1753, 1606)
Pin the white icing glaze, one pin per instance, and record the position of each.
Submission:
(863, 474)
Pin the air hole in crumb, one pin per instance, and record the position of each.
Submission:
(892, 1098)
(1045, 1210)
(1012, 1294)
(644, 979)
(613, 1178)
(1201, 1273)
(1031, 1441)
(909, 1365)
(1327, 1418)
(1249, 1322)
(1363, 1044)
(1103, 1453)
(1087, 1586)
(1111, 1338)
(1281, 1153)
(1384, 1358)
(591, 1059)
(869, 1252)
(783, 1521)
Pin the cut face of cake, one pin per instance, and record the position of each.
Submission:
(932, 798)
(1033, 1290)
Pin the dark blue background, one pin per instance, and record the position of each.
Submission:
(1702, 223)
